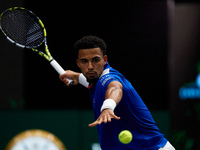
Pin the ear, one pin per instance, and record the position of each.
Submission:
(105, 58)
(77, 62)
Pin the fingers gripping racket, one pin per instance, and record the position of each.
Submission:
(23, 28)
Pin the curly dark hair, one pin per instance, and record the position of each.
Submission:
(90, 41)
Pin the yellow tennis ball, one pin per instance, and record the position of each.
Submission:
(125, 136)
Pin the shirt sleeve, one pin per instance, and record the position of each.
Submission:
(105, 80)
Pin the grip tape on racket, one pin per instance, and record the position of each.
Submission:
(59, 69)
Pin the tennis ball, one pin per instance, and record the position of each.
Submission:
(125, 136)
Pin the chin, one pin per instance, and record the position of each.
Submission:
(92, 80)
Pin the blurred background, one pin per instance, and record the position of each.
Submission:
(154, 43)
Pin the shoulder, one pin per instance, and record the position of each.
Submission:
(108, 76)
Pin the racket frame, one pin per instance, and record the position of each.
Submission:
(47, 56)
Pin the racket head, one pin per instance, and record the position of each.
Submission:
(22, 27)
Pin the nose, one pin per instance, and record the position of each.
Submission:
(90, 66)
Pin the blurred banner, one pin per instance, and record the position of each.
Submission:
(70, 126)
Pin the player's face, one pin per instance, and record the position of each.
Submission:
(91, 62)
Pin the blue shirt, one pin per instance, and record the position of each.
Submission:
(134, 115)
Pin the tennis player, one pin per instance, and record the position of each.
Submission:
(116, 104)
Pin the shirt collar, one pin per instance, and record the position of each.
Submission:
(106, 69)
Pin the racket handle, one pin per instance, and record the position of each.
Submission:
(59, 69)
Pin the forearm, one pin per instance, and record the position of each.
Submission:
(114, 91)
(115, 94)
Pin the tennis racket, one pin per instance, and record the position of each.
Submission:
(24, 29)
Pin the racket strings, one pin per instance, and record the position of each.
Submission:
(23, 28)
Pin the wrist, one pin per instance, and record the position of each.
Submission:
(108, 104)
(82, 80)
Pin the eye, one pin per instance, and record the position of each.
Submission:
(96, 60)
(83, 61)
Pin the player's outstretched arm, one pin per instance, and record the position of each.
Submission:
(113, 97)
(70, 75)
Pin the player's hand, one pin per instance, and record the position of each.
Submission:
(69, 75)
(105, 116)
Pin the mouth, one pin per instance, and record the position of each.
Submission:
(92, 77)
(91, 74)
